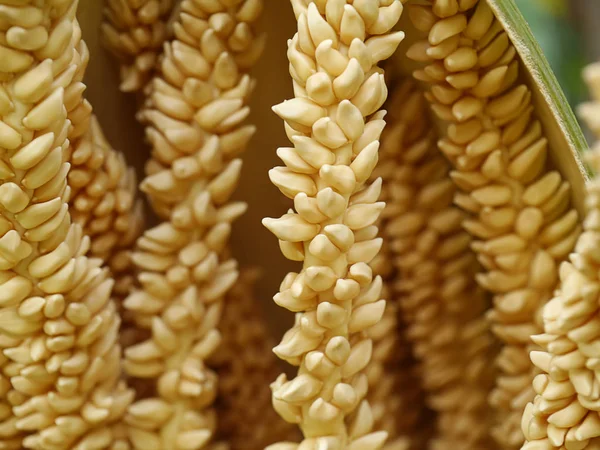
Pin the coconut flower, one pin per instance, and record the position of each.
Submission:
(246, 366)
(104, 202)
(435, 288)
(394, 394)
(103, 188)
(194, 118)
(61, 358)
(334, 123)
(588, 111)
(521, 216)
(565, 411)
(135, 31)
(480, 195)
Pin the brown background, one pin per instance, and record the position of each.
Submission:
(252, 243)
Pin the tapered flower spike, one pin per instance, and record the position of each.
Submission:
(58, 326)
(395, 396)
(103, 201)
(522, 217)
(434, 284)
(194, 114)
(334, 123)
(246, 366)
(565, 411)
(103, 193)
(135, 31)
(103, 188)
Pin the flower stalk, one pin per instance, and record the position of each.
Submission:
(521, 214)
(194, 114)
(59, 326)
(334, 123)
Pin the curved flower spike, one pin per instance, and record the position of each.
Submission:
(245, 366)
(434, 285)
(135, 32)
(565, 411)
(521, 211)
(194, 116)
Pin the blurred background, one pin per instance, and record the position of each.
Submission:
(566, 29)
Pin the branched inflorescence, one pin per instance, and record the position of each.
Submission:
(334, 123)
(194, 116)
(246, 366)
(565, 412)
(435, 287)
(60, 358)
(135, 31)
(521, 215)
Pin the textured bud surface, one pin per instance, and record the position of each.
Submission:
(135, 30)
(334, 123)
(193, 116)
(103, 188)
(104, 202)
(521, 215)
(565, 411)
(434, 285)
(60, 361)
(395, 393)
(246, 366)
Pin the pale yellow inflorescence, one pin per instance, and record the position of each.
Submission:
(521, 214)
(395, 392)
(246, 366)
(60, 361)
(104, 202)
(194, 114)
(435, 287)
(135, 31)
(103, 189)
(565, 412)
(334, 123)
(395, 397)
